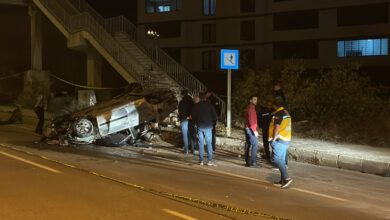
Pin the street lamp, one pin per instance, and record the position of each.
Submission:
(154, 35)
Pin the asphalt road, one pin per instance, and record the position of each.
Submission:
(33, 188)
(28, 191)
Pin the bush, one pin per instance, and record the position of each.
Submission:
(339, 103)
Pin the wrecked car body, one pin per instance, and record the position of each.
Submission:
(126, 119)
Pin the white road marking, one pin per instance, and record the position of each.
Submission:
(166, 159)
(257, 180)
(177, 214)
(30, 162)
(296, 189)
(319, 194)
(239, 176)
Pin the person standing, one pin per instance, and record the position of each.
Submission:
(265, 117)
(280, 137)
(211, 99)
(184, 107)
(40, 107)
(278, 92)
(251, 132)
(192, 126)
(204, 115)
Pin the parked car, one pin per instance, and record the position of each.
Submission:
(123, 120)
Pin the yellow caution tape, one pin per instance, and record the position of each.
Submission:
(206, 203)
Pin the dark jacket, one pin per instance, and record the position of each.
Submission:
(264, 118)
(204, 115)
(185, 106)
(281, 94)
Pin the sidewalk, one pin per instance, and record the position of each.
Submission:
(366, 159)
(362, 158)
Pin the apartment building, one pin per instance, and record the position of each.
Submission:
(323, 32)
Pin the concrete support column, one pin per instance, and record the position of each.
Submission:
(35, 80)
(94, 69)
(36, 37)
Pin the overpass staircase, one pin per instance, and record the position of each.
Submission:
(136, 60)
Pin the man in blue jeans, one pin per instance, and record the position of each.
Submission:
(280, 135)
(185, 107)
(251, 133)
(204, 116)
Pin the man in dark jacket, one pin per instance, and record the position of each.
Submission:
(264, 119)
(279, 92)
(192, 130)
(204, 115)
(185, 106)
(213, 101)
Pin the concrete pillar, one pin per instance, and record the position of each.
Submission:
(35, 79)
(36, 37)
(94, 69)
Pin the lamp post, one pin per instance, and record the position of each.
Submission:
(154, 35)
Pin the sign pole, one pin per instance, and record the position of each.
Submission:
(229, 101)
(229, 61)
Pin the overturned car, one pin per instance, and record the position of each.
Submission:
(126, 119)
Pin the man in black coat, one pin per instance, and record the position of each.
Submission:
(204, 116)
(264, 119)
(185, 106)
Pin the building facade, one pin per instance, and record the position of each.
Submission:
(323, 32)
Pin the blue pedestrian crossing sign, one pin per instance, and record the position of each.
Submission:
(229, 59)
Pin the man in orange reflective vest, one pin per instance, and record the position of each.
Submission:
(280, 138)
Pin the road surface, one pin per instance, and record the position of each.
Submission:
(132, 183)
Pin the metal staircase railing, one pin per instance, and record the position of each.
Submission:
(84, 21)
(103, 31)
(174, 70)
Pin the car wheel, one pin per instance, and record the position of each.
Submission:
(83, 127)
(153, 99)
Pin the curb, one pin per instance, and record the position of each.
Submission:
(320, 158)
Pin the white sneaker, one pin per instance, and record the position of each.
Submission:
(201, 163)
(210, 163)
(286, 183)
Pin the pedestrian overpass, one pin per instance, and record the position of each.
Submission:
(116, 40)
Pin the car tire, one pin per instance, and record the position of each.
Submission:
(83, 128)
(153, 99)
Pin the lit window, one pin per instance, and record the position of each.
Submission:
(367, 47)
(165, 8)
(209, 7)
(157, 6)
